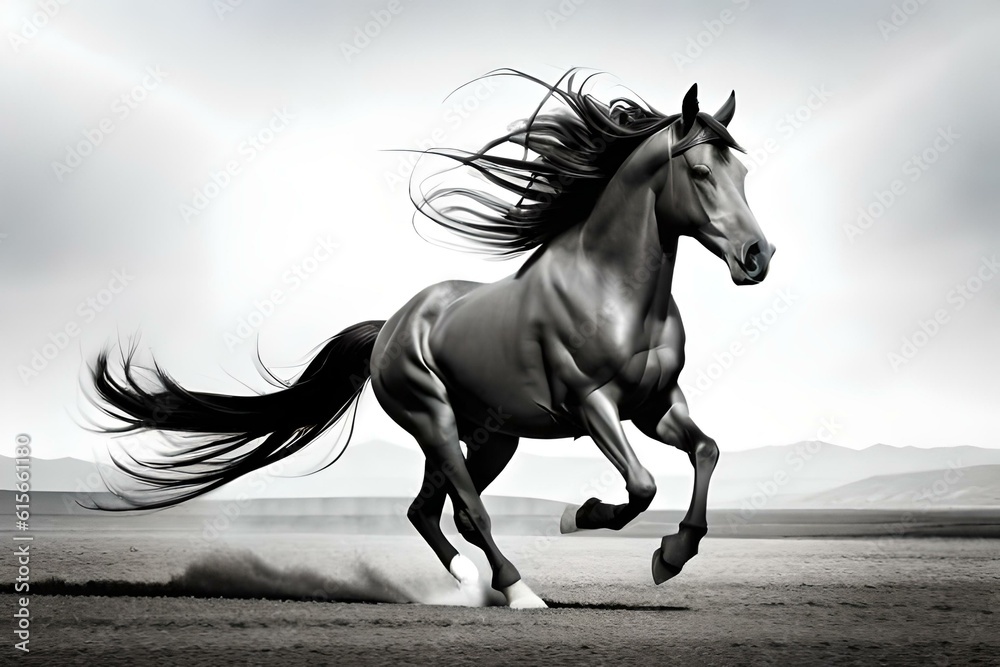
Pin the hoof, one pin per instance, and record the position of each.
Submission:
(464, 570)
(519, 596)
(661, 569)
(676, 550)
(567, 523)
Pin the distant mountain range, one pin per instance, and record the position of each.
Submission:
(812, 475)
(973, 486)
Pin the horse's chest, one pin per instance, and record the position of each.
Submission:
(648, 375)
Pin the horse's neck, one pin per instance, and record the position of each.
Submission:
(621, 240)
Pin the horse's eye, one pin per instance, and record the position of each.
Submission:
(700, 171)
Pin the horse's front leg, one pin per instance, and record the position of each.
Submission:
(677, 429)
(600, 415)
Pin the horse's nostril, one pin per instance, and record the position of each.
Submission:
(754, 263)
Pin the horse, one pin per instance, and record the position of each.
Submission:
(583, 336)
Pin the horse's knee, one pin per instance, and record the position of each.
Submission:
(706, 453)
(422, 511)
(641, 488)
(415, 513)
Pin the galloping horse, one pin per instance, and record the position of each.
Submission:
(584, 336)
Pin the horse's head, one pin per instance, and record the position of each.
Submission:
(702, 195)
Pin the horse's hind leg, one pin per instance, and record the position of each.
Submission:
(421, 407)
(484, 464)
(447, 453)
(485, 461)
(425, 515)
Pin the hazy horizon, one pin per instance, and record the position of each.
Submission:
(583, 451)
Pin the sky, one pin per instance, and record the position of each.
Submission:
(216, 176)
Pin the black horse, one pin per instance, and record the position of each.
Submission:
(584, 336)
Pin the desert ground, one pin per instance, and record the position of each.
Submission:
(121, 596)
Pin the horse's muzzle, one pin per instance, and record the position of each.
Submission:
(754, 262)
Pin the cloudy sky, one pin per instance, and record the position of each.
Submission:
(209, 173)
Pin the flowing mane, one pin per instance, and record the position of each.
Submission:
(568, 157)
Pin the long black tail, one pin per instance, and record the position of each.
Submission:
(284, 421)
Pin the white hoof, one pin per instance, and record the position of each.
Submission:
(464, 570)
(567, 524)
(519, 596)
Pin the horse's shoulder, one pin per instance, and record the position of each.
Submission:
(445, 292)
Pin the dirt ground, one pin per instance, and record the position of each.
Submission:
(898, 601)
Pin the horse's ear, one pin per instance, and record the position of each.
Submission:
(726, 111)
(689, 109)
